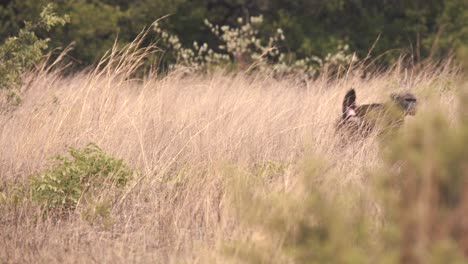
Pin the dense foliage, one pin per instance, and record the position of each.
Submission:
(422, 191)
(422, 28)
(79, 178)
(21, 52)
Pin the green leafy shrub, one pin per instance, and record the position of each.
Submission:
(425, 190)
(303, 225)
(98, 213)
(76, 179)
(13, 194)
(243, 47)
(270, 169)
(19, 53)
(13, 98)
(422, 191)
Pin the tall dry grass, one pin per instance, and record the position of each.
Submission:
(180, 131)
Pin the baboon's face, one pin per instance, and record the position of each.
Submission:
(407, 102)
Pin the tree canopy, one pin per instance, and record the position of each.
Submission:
(423, 28)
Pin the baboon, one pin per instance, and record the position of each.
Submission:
(363, 119)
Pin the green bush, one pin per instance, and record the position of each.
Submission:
(425, 190)
(98, 213)
(242, 47)
(78, 178)
(422, 191)
(304, 225)
(13, 195)
(426, 29)
(19, 53)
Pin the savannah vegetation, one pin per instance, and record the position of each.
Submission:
(209, 136)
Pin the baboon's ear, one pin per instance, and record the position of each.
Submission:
(350, 98)
(349, 104)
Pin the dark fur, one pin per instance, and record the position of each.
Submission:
(363, 119)
(349, 102)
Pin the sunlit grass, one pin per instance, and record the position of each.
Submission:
(182, 132)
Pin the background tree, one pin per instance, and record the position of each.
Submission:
(424, 29)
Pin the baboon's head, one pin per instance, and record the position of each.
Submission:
(406, 101)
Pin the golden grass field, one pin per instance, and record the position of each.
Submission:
(180, 131)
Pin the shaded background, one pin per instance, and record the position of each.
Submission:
(423, 28)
